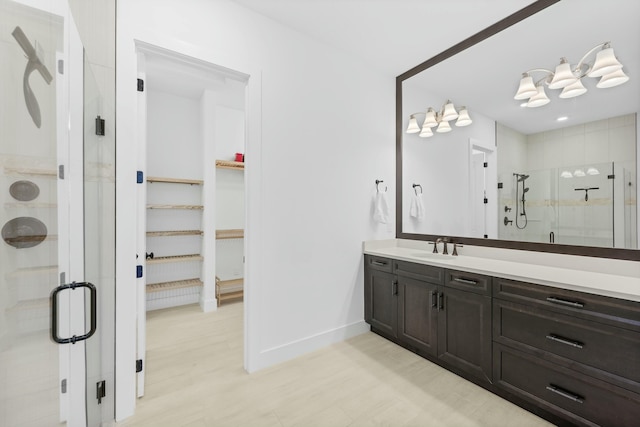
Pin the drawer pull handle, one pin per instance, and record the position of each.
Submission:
(564, 393)
(565, 302)
(572, 343)
(379, 263)
(441, 301)
(465, 281)
(434, 299)
(394, 288)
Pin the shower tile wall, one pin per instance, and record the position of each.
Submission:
(544, 155)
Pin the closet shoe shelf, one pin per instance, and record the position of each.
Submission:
(175, 258)
(152, 179)
(236, 233)
(191, 207)
(229, 289)
(178, 284)
(175, 233)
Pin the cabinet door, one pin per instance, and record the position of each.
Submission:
(418, 314)
(464, 331)
(380, 299)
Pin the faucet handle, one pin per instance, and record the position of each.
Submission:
(445, 251)
(455, 249)
(435, 246)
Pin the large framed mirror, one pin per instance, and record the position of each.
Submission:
(485, 160)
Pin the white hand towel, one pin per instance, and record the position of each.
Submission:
(417, 207)
(381, 208)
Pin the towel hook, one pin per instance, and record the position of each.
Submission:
(417, 185)
(378, 182)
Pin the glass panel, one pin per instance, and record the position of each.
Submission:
(31, 252)
(99, 244)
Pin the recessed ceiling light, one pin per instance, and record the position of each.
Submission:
(562, 119)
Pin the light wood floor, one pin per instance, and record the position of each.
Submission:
(195, 378)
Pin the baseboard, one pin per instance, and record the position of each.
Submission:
(291, 350)
(208, 305)
(157, 304)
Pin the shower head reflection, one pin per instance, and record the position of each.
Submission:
(34, 63)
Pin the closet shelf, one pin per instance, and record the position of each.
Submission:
(175, 180)
(178, 284)
(175, 258)
(229, 289)
(236, 233)
(30, 171)
(226, 164)
(175, 233)
(188, 207)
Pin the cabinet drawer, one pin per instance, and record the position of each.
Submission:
(379, 263)
(580, 398)
(417, 271)
(472, 282)
(607, 348)
(612, 311)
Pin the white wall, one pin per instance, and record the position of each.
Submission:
(319, 132)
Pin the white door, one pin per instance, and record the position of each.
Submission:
(56, 215)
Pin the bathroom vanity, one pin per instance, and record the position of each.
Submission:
(561, 342)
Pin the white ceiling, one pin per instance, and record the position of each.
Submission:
(391, 35)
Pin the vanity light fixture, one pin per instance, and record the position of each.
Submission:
(439, 120)
(579, 173)
(566, 174)
(605, 66)
(593, 171)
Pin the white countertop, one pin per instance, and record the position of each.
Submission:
(579, 276)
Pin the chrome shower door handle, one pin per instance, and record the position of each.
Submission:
(54, 312)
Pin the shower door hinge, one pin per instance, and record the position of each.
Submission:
(140, 85)
(138, 365)
(63, 386)
(139, 177)
(99, 126)
(500, 185)
(486, 200)
(485, 164)
(138, 271)
(100, 391)
(61, 171)
(63, 278)
(611, 177)
(60, 66)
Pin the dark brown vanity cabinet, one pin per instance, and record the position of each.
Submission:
(441, 314)
(576, 355)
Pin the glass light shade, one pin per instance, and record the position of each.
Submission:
(579, 173)
(527, 88)
(449, 112)
(612, 79)
(593, 171)
(426, 132)
(563, 76)
(539, 99)
(606, 63)
(413, 126)
(566, 174)
(430, 120)
(573, 90)
(443, 127)
(463, 118)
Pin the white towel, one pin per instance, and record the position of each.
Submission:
(417, 207)
(381, 208)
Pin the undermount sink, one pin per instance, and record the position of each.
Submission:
(431, 255)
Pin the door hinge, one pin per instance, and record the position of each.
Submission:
(611, 177)
(60, 66)
(99, 126)
(138, 271)
(140, 85)
(139, 177)
(61, 171)
(138, 365)
(486, 200)
(485, 164)
(63, 386)
(63, 278)
(500, 185)
(101, 391)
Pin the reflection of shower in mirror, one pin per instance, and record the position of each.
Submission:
(35, 62)
(520, 207)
